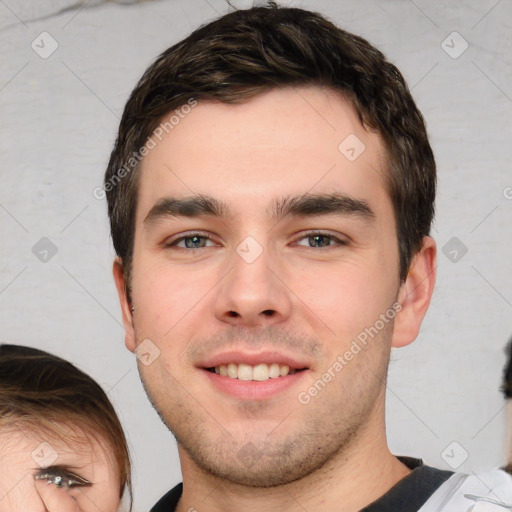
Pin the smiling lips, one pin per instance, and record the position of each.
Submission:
(253, 376)
(259, 372)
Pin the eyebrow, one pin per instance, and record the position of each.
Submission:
(185, 207)
(305, 205)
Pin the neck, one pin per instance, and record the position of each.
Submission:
(348, 482)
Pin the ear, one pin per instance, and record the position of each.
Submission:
(129, 338)
(415, 294)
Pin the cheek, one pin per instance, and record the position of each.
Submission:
(102, 496)
(104, 493)
(348, 297)
(167, 295)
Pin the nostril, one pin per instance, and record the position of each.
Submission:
(266, 312)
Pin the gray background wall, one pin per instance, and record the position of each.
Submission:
(59, 116)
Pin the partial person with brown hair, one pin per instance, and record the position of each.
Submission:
(271, 193)
(62, 447)
(506, 389)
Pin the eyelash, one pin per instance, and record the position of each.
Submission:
(332, 237)
(60, 477)
(175, 242)
(192, 234)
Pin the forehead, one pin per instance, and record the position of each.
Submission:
(288, 140)
(64, 445)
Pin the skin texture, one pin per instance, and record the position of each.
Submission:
(83, 457)
(307, 302)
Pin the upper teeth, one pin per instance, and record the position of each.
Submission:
(259, 372)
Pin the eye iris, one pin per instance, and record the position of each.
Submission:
(319, 241)
(195, 242)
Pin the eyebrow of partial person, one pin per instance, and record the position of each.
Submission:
(308, 205)
(193, 206)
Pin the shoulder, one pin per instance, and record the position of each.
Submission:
(489, 491)
(169, 501)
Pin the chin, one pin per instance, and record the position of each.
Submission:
(261, 464)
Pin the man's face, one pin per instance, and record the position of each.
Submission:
(261, 244)
(39, 473)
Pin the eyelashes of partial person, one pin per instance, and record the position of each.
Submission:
(62, 477)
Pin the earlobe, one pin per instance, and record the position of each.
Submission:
(415, 294)
(126, 307)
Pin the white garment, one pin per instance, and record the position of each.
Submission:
(490, 491)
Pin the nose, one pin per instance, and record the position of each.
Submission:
(253, 293)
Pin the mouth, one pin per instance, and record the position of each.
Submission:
(260, 372)
(247, 376)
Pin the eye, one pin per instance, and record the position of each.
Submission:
(60, 477)
(192, 241)
(320, 240)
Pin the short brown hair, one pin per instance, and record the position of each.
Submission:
(247, 52)
(42, 392)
